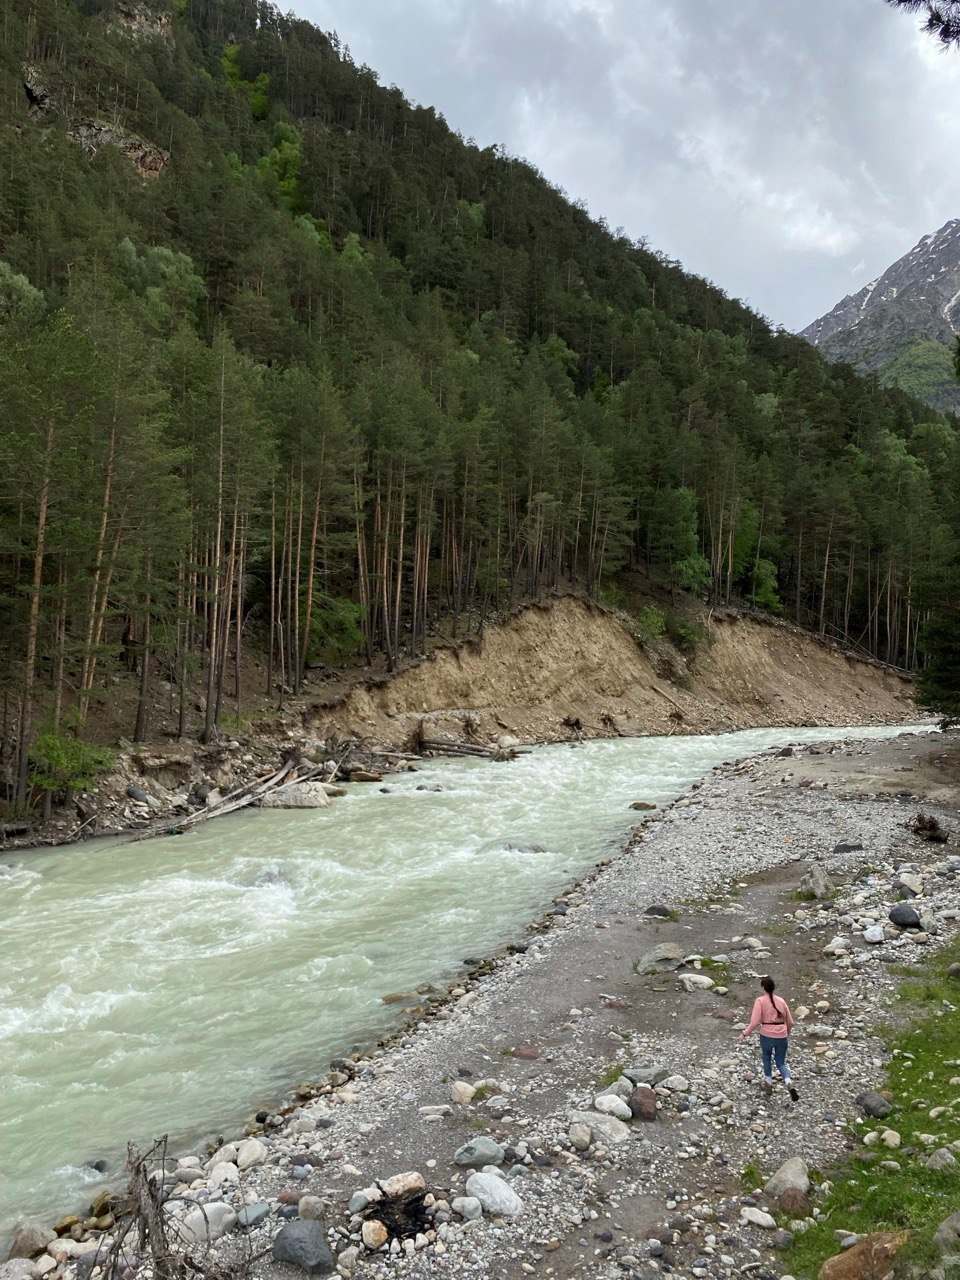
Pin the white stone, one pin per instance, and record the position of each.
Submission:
(792, 1174)
(757, 1218)
(676, 1084)
(496, 1196)
(297, 795)
(696, 982)
(468, 1207)
(250, 1152)
(604, 1128)
(206, 1224)
(461, 1092)
(612, 1105)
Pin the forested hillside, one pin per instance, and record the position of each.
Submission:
(285, 361)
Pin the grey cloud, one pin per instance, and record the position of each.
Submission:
(774, 149)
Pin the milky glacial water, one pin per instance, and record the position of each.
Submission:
(176, 985)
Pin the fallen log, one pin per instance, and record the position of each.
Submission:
(239, 798)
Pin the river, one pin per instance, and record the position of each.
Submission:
(176, 985)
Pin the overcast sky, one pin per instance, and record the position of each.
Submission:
(788, 151)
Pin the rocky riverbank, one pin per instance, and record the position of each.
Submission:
(580, 1106)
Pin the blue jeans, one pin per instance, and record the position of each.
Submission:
(774, 1049)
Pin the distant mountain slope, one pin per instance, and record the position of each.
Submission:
(902, 324)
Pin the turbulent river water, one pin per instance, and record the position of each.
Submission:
(175, 985)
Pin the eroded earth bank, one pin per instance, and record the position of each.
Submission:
(546, 674)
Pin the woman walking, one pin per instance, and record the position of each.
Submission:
(771, 1014)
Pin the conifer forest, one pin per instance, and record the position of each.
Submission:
(288, 365)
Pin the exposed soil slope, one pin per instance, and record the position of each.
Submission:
(534, 674)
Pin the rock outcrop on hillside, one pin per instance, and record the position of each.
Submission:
(903, 323)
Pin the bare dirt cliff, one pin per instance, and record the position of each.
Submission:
(549, 669)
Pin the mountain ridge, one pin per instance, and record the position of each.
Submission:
(901, 325)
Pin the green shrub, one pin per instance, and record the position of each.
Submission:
(685, 634)
(612, 595)
(63, 763)
(650, 624)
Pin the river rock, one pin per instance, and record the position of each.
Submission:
(874, 1104)
(496, 1196)
(815, 882)
(580, 1136)
(646, 1075)
(16, 1269)
(904, 916)
(250, 1152)
(750, 1216)
(874, 934)
(912, 884)
(310, 1208)
(947, 1236)
(224, 1172)
(676, 1084)
(374, 1234)
(610, 1104)
(251, 1215)
(461, 1092)
(227, 1154)
(468, 1207)
(696, 982)
(405, 1184)
(604, 1128)
(872, 1256)
(793, 1174)
(478, 1152)
(297, 795)
(942, 1161)
(206, 1223)
(661, 958)
(304, 1244)
(643, 1103)
(30, 1237)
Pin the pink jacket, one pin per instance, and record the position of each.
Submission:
(772, 1015)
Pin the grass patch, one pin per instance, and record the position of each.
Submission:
(865, 1197)
(611, 1075)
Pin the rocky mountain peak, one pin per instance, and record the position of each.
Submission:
(902, 317)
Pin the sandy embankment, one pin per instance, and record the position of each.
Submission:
(534, 673)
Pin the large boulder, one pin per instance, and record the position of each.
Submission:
(479, 1152)
(604, 1128)
(815, 882)
(661, 958)
(874, 1104)
(304, 1244)
(250, 1152)
(297, 795)
(872, 1258)
(30, 1237)
(205, 1223)
(792, 1175)
(947, 1236)
(495, 1194)
(904, 916)
(16, 1269)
